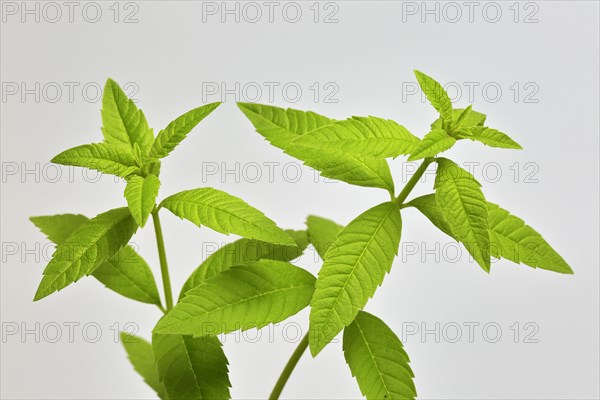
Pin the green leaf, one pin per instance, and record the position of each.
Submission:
(354, 267)
(436, 95)
(88, 246)
(192, 368)
(244, 251)
(141, 356)
(514, 240)
(428, 206)
(510, 237)
(377, 359)
(469, 119)
(493, 138)
(177, 130)
(280, 127)
(321, 233)
(226, 214)
(126, 273)
(57, 228)
(366, 137)
(243, 297)
(463, 205)
(122, 121)
(432, 144)
(141, 195)
(108, 158)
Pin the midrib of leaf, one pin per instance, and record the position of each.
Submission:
(387, 391)
(244, 300)
(101, 235)
(343, 288)
(221, 210)
(462, 204)
(109, 261)
(189, 360)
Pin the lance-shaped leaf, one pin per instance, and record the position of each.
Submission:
(377, 359)
(122, 121)
(428, 206)
(432, 144)
(141, 356)
(469, 119)
(244, 251)
(492, 137)
(280, 127)
(192, 368)
(141, 193)
(321, 233)
(126, 272)
(514, 240)
(177, 130)
(243, 297)
(88, 246)
(108, 158)
(226, 214)
(436, 95)
(463, 205)
(361, 136)
(354, 267)
(510, 236)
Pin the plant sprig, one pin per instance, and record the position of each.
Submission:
(252, 281)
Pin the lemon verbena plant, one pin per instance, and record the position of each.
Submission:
(251, 282)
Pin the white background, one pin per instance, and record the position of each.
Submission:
(171, 55)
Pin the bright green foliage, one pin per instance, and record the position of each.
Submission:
(126, 272)
(225, 213)
(362, 136)
(177, 130)
(141, 356)
(242, 297)
(432, 144)
(463, 205)
(250, 282)
(122, 121)
(244, 251)
(429, 207)
(280, 127)
(436, 95)
(510, 237)
(57, 228)
(492, 137)
(321, 233)
(514, 240)
(462, 118)
(192, 368)
(108, 158)
(141, 193)
(377, 359)
(354, 267)
(88, 246)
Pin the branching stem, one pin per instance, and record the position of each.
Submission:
(289, 367)
(413, 181)
(164, 268)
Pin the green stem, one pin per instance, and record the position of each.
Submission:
(413, 181)
(289, 367)
(164, 268)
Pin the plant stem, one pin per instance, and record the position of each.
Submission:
(413, 181)
(289, 367)
(164, 268)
